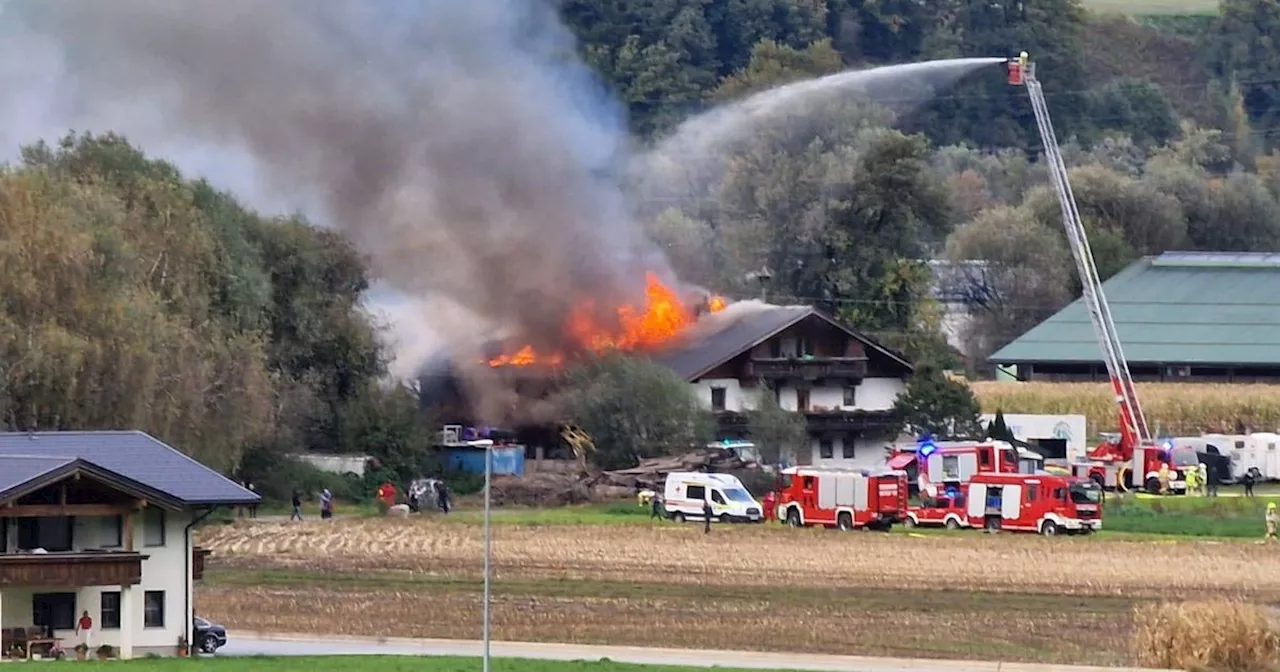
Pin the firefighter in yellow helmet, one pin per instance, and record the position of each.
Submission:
(1272, 519)
(1023, 59)
(1193, 479)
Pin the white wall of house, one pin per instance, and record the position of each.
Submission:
(165, 570)
(852, 453)
(736, 398)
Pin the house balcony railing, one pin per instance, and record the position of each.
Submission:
(807, 368)
(854, 421)
(79, 568)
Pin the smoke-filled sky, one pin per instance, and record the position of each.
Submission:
(459, 143)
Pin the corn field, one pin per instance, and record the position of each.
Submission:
(1171, 408)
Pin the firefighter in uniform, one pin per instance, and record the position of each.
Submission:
(1204, 478)
(1272, 519)
(1164, 479)
(1193, 476)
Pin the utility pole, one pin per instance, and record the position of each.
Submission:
(488, 477)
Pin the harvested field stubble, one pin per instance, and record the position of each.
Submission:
(894, 624)
(1218, 635)
(751, 556)
(1177, 408)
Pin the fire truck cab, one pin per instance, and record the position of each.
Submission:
(936, 465)
(842, 498)
(1040, 503)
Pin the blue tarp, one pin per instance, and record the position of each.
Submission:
(507, 460)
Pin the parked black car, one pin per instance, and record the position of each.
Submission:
(209, 637)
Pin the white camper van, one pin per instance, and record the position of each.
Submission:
(730, 501)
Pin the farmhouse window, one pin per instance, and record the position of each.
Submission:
(112, 532)
(153, 609)
(846, 448)
(54, 611)
(110, 610)
(826, 450)
(717, 398)
(153, 525)
(851, 396)
(53, 534)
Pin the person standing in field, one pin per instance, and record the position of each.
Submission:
(706, 516)
(1193, 482)
(1272, 519)
(1204, 478)
(84, 628)
(1248, 480)
(297, 506)
(655, 507)
(326, 504)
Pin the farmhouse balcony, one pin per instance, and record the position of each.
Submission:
(806, 368)
(855, 421)
(78, 568)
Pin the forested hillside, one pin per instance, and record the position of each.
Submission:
(1166, 121)
(134, 296)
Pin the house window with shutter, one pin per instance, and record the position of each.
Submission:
(717, 398)
(826, 449)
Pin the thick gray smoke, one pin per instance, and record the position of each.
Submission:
(459, 143)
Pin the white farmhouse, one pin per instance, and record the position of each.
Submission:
(844, 382)
(101, 522)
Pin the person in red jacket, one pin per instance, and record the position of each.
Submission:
(770, 503)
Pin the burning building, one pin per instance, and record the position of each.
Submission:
(732, 353)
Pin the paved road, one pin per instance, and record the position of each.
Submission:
(245, 644)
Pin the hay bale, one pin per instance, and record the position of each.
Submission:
(1217, 635)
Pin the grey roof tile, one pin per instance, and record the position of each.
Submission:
(1179, 308)
(722, 336)
(18, 469)
(134, 455)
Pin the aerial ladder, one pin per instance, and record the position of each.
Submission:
(1132, 459)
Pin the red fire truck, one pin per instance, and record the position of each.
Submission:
(949, 509)
(1131, 459)
(842, 498)
(936, 466)
(1040, 503)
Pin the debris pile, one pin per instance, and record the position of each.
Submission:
(546, 488)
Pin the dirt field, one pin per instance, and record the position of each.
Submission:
(963, 595)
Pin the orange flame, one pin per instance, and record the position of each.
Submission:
(662, 317)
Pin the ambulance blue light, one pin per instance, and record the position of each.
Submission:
(1168, 445)
(927, 447)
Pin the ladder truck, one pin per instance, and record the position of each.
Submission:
(1131, 459)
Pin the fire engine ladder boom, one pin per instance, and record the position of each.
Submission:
(1134, 423)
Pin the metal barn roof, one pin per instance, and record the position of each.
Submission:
(1192, 308)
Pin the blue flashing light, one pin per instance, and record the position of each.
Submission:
(927, 447)
(1168, 445)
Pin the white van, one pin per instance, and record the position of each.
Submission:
(730, 501)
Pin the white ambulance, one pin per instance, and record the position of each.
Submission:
(686, 492)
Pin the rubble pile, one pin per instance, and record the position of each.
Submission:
(550, 489)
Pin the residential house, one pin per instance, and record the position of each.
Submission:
(102, 522)
(844, 382)
(1180, 316)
